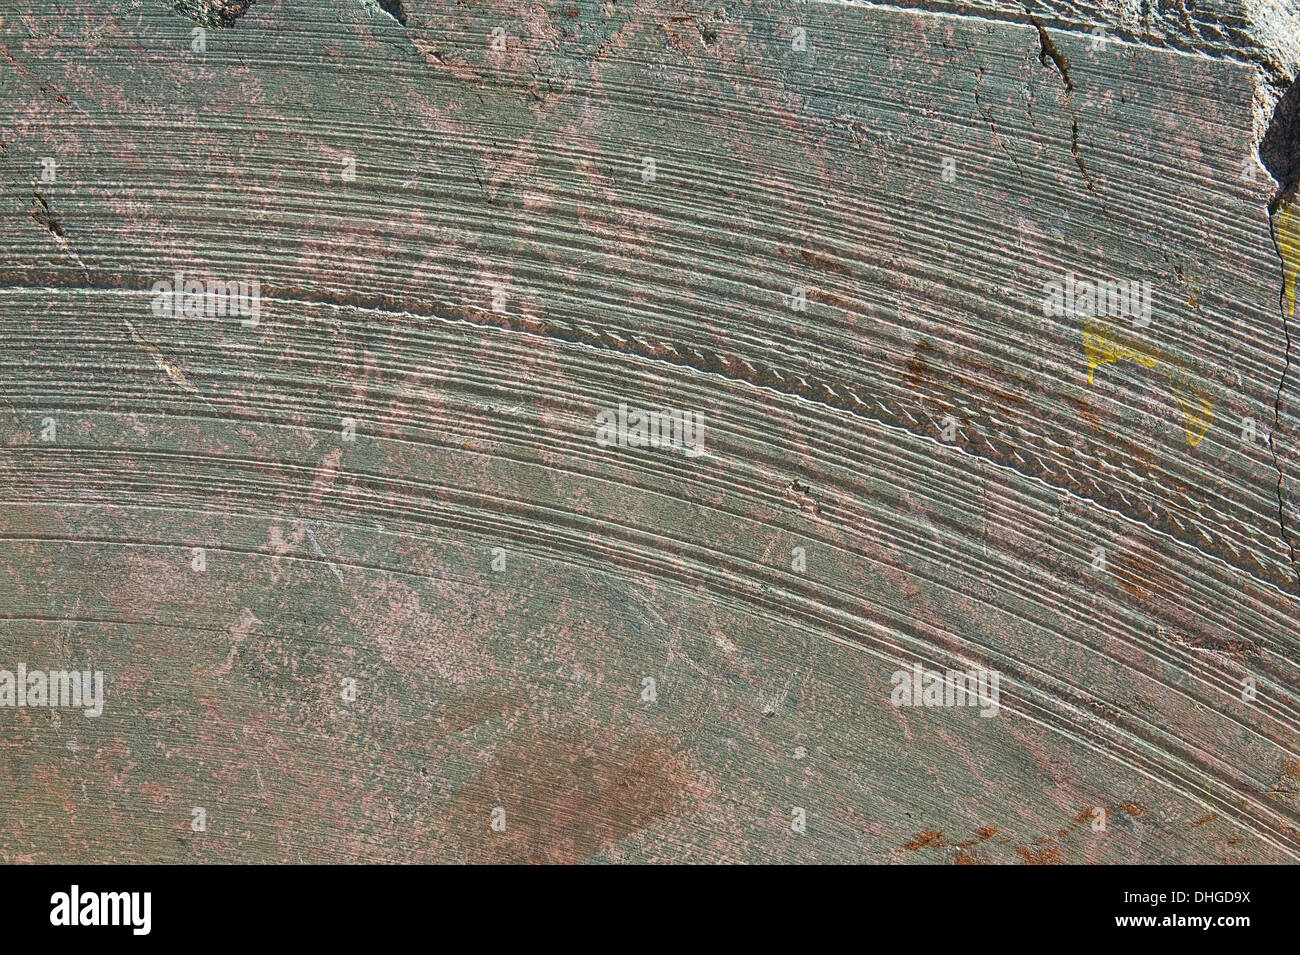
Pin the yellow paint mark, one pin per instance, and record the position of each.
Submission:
(1198, 412)
(1286, 231)
(1102, 347)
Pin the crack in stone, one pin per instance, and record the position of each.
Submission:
(988, 117)
(1050, 54)
(1047, 51)
(1078, 156)
(1272, 447)
(1279, 153)
(1277, 419)
(47, 218)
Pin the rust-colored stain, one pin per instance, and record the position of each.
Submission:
(1049, 855)
(457, 715)
(824, 262)
(928, 839)
(1138, 574)
(916, 365)
(567, 799)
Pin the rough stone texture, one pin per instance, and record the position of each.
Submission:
(1262, 33)
(497, 273)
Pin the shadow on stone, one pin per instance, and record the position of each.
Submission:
(1279, 151)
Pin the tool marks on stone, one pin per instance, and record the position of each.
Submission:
(510, 582)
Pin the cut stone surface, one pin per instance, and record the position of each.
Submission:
(359, 573)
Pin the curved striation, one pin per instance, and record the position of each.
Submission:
(361, 569)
